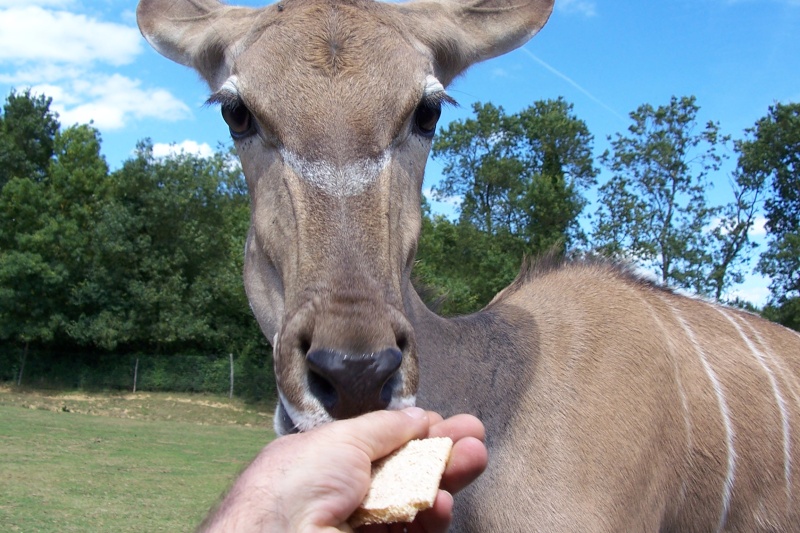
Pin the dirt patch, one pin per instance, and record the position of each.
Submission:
(204, 403)
(195, 408)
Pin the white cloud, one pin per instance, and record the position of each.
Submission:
(587, 8)
(188, 146)
(499, 72)
(44, 3)
(759, 228)
(757, 231)
(39, 73)
(66, 55)
(62, 37)
(110, 101)
(449, 207)
(454, 201)
(756, 295)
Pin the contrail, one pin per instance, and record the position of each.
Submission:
(567, 79)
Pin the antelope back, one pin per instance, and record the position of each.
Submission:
(611, 404)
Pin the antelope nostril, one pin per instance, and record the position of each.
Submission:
(322, 389)
(305, 345)
(402, 343)
(351, 384)
(387, 391)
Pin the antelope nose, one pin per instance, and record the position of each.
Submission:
(348, 385)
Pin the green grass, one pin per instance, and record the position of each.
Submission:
(158, 467)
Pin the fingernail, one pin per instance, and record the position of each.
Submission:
(415, 412)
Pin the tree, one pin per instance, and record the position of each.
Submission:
(522, 175)
(31, 280)
(460, 265)
(482, 167)
(520, 179)
(27, 136)
(653, 209)
(166, 267)
(729, 243)
(559, 167)
(771, 155)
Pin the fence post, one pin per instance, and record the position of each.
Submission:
(22, 364)
(230, 393)
(135, 374)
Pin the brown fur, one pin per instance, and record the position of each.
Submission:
(593, 364)
(610, 404)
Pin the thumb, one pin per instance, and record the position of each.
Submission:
(379, 433)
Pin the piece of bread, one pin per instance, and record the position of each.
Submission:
(404, 483)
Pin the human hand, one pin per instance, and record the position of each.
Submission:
(314, 481)
(468, 460)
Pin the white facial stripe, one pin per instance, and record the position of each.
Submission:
(344, 181)
(432, 86)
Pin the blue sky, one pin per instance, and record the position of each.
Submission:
(607, 58)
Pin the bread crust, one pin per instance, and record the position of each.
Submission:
(404, 483)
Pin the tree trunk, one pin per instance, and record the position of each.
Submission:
(135, 373)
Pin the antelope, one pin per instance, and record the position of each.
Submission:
(610, 404)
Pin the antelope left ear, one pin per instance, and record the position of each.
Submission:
(461, 33)
(196, 33)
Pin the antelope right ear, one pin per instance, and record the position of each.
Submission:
(197, 33)
(461, 33)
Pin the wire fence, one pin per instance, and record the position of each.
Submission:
(244, 375)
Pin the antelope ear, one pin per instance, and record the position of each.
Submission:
(196, 33)
(461, 33)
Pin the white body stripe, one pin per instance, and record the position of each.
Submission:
(787, 445)
(340, 181)
(687, 420)
(787, 375)
(730, 475)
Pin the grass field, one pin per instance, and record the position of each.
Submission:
(109, 462)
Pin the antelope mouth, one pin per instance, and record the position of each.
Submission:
(285, 424)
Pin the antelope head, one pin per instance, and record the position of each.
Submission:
(332, 105)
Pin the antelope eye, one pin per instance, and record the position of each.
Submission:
(239, 120)
(425, 118)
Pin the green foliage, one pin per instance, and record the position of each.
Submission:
(32, 271)
(521, 178)
(786, 312)
(557, 154)
(480, 167)
(654, 208)
(27, 132)
(98, 268)
(521, 174)
(146, 259)
(462, 265)
(771, 155)
(729, 245)
(163, 270)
